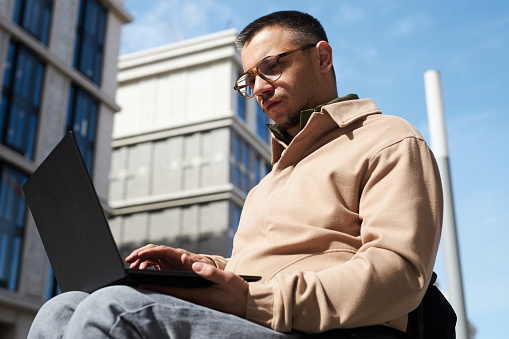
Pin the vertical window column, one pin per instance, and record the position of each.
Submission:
(237, 173)
(88, 50)
(12, 222)
(241, 106)
(241, 103)
(261, 124)
(246, 161)
(243, 166)
(21, 95)
(82, 120)
(34, 16)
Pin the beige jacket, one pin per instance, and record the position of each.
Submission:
(345, 229)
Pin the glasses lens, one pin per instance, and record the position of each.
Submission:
(247, 92)
(243, 85)
(270, 68)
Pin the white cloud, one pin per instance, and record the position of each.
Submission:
(410, 25)
(150, 28)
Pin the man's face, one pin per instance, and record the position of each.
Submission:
(283, 99)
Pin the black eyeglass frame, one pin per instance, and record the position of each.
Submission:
(239, 88)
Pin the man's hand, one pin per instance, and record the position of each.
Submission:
(228, 294)
(165, 258)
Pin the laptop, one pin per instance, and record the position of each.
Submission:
(75, 232)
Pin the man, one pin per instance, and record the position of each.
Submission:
(344, 230)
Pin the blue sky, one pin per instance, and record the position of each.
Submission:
(381, 50)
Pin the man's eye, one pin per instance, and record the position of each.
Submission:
(269, 67)
(273, 66)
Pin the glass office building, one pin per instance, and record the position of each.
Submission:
(58, 65)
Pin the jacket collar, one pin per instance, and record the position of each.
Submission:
(342, 113)
(304, 117)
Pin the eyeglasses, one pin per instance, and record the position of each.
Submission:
(269, 69)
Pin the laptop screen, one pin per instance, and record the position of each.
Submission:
(71, 222)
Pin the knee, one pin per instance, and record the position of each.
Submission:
(54, 315)
(64, 302)
(116, 293)
(108, 297)
(100, 311)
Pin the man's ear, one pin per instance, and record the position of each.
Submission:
(325, 56)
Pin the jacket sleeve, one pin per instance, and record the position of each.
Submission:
(400, 209)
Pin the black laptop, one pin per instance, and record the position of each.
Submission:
(75, 231)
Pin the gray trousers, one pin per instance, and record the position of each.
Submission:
(125, 312)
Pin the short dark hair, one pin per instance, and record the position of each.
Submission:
(307, 29)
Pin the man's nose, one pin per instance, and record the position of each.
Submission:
(261, 86)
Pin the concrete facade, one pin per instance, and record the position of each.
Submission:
(186, 149)
(19, 305)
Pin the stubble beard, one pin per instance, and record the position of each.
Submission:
(288, 121)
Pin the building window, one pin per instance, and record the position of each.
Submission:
(246, 162)
(261, 169)
(241, 106)
(82, 120)
(12, 222)
(237, 176)
(88, 51)
(21, 95)
(243, 166)
(261, 124)
(34, 16)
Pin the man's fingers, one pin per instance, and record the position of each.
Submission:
(134, 254)
(164, 257)
(146, 264)
(161, 252)
(135, 264)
